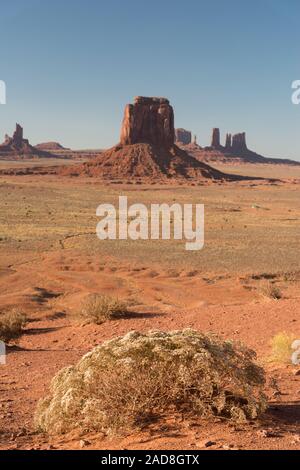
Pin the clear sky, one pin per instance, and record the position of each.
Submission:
(71, 65)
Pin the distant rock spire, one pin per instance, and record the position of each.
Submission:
(228, 142)
(215, 140)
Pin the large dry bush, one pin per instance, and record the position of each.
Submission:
(125, 382)
(98, 308)
(11, 325)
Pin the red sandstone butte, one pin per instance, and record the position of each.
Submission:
(147, 149)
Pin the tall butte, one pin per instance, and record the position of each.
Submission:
(148, 120)
(147, 148)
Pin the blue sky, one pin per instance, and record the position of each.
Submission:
(71, 66)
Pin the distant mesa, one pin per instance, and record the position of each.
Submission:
(18, 147)
(51, 146)
(182, 136)
(235, 150)
(147, 148)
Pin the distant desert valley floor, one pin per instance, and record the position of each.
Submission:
(51, 260)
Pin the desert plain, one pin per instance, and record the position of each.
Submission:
(51, 259)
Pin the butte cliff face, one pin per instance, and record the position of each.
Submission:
(148, 120)
(147, 148)
(239, 143)
(215, 140)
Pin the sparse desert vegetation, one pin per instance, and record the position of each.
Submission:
(98, 308)
(11, 325)
(149, 273)
(281, 348)
(129, 381)
(52, 261)
(270, 290)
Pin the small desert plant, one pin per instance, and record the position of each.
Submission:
(11, 325)
(270, 291)
(281, 348)
(97, 308)
(124, 383)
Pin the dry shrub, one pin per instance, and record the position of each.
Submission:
(97, 308)
(11, 325)
(128, 381)
(270, 291)
(281, 345)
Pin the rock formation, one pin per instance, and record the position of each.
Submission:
(215, 140)
(239, 143)
(51, 146)
(148, 120)
(147, 149)
(16, 146)
(16, 142)
(228, 142)
(234, 151)
(183, 136)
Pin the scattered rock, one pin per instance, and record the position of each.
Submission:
(206, 443)
(265, 433)
(296, 439)
(83, 443)
(50, 447)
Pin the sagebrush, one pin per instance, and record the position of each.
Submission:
(98, 308)
(126, 382)
(281, 348)
(11, 325)
(270, 290)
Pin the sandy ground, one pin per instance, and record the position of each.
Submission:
(46, 270)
